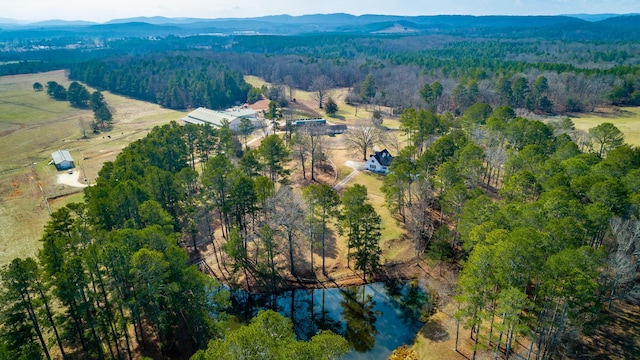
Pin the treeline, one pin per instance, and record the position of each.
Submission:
(202, 70)
(100, 288)
(78, 96)
(177, 81)
(27, 67)
(545, 218)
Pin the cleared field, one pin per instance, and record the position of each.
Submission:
(254, 81)
(32, 126)
(393, 248)
(626, 119)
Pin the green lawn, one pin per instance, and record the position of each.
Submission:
(626, 119)
(391, 231)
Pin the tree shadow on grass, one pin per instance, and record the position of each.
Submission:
(617, 336)
(434, 330)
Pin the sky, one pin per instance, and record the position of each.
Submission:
(104, 10)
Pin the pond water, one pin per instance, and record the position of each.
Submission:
(375, 318)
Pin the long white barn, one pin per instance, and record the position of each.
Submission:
(202, 116)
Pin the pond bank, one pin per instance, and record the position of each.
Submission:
(396, 271)
(374, 318)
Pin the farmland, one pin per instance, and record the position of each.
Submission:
(31, 127)
(627, 119)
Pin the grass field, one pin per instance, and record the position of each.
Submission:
(392, 232)
(32, 126)
(626, 119)
(254, 81)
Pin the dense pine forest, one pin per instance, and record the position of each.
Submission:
(540, 221)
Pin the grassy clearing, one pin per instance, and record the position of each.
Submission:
(391, 230)
(626, 119)
(32, 126)
(23, 215)
(255, 81)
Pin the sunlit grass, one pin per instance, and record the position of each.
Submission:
(626, 119)
(255, 81)
(390, 227)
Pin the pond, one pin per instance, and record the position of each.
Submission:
(375, 318)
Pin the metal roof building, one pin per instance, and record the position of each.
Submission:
(202, 116)
(62, 160)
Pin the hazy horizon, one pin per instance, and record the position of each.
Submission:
(101, 11)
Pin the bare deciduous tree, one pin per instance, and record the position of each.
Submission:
(362, 137)
(320, 87)
(84, 126)
(286, 213)
(300, 149)
(313, 137)
(419, 222)
(623, 262)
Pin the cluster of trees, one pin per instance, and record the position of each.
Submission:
(545, 255)
(117, 261)
(271, 336)
(177, 82)
(264, 223)
(113, 264)
(392, 72)
(78, 96)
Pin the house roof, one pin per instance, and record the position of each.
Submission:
(300, 122)
(241, 112)
(383, 157)
(202, 116)
(61, 156)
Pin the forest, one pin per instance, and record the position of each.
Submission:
(539, 220)
(578, 65)
(565, 219)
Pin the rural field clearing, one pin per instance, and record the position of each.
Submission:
(626, 119)
(32, 126)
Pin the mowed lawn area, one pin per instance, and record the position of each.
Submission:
(32, 126)
(626, 119)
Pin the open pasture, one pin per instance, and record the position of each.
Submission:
(32, 126)
(627, 119)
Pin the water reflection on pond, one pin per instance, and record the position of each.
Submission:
(374, 318)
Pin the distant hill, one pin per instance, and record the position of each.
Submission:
(595, 17)
(12, 21)
(155, 20)
(578, 27)
(62, 23)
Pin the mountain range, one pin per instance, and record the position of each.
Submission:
(579, 26)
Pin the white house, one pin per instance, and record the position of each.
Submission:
(202, 116)
(379, 161)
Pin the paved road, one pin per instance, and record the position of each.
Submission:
(357, 168)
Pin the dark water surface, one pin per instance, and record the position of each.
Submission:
(374, 318)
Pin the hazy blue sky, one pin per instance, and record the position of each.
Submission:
(103, 10)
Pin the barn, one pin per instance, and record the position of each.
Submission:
(62, 160)
(217, 119)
